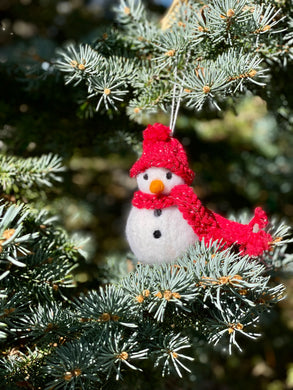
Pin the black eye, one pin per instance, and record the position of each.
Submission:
(145, 176)
(169, 175)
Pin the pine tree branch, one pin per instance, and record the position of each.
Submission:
(25, 173)
(227, 36)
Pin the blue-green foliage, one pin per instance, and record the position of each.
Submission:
(153, 313)
(54, 339)
(201, 53)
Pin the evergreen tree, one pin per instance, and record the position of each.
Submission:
(158, 319)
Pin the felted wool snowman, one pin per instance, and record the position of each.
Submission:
(167, 217)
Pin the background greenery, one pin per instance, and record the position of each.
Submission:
(242, 157)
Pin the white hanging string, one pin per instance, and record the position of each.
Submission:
(175, 110)
(173, 99)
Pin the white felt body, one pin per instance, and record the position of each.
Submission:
(176, 235)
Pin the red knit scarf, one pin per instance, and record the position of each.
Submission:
(148, 201)
(209, 225)
(198, 217)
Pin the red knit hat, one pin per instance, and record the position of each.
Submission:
(161, 150)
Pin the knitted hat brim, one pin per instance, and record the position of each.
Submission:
(141, 165)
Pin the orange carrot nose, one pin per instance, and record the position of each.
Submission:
(157, 186)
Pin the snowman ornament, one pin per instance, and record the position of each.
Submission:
(158, 233)
(166, 217)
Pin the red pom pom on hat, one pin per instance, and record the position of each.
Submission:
(156, 132)
(161, 150)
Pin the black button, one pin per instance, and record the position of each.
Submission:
(157, 212)
(157, 234)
